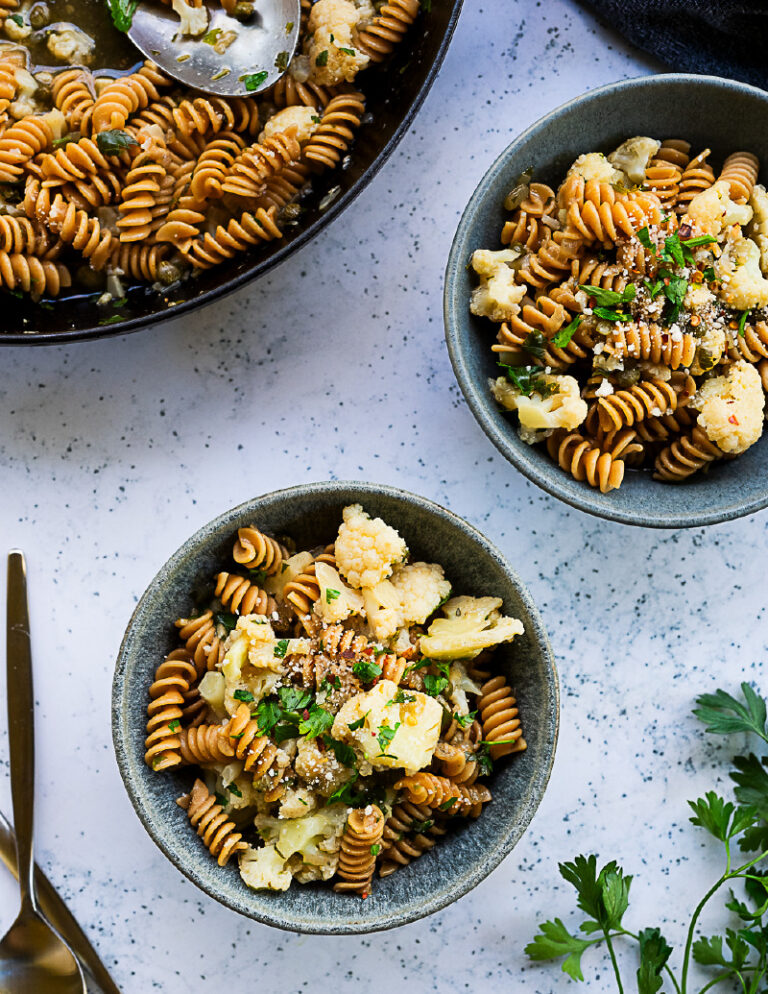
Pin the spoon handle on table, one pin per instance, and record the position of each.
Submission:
(57, 913)
(21, 722)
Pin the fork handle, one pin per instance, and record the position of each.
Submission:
(21, 723)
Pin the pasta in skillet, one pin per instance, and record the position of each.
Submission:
(343, 722)
(632, 305)
(112, 181)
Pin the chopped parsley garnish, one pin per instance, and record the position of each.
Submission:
(484, 761)
(447, 805)
(346, 795)
(221, 799)
(464, 720)
(654, 289)
(212, 36)
(254, 80)
(697, 240)
(281, 62)
(417, 827)
(121, 12)
(365, 671)
(434, 685)
(267, 716)
(281, 647)
(243, 695)
(114, 142)
(347, 51)
(644, 237)
(234, 790)
(315, 119)
(673, 250)
(322, 59)
(564, 336)
(331, 594)
(344, 753)
(385, 736)
(173, 725)
(294, 698)
(375, 848)
(288, 27)
(743, 323)
(709, 274)
(609, 314)
(73, 136)
(609, 298)
(17, 19)
(229, 621)
(529, 379)
(535, 344)
(354, 725)
(675, 291)
(258, 575)
(401, 698)
(316, 723)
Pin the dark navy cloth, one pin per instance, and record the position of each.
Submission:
(718, 37)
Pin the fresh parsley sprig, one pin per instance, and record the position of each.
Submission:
(740, 954)
(121, 12)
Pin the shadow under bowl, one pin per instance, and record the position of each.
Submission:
(310, 515)
(707, 111)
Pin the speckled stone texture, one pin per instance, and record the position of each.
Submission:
(708, 112)
(111, 455)
(311, 516)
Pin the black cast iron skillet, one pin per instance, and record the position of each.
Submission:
(394, 91)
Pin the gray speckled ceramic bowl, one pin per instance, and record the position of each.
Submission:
(311, 515)
(710, 113)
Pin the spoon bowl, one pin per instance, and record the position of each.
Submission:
(256, 55)
(34, 958)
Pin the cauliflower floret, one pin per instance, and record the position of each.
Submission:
(422, 588)
(498, 296)
(16, 31)
(251, 662)
(470, 625)
(460, 686)
(320, 770)
(315, 838)
(743, 285)
(337, 601)
(72, 45)
(299, 122)
(540, 416)
(399, 728)
(632, 157)
(212, 688)
(367, 549)
(290, 569)
(383, 609)
(264, 869)
(333, 57)
(713, 210)
(594, 165)
(758, 226)
(731, 408)
(194, 20)
(297, 802)
(237, 787)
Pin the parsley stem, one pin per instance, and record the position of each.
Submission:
(716, 980)
(613, 960)
(667, 968)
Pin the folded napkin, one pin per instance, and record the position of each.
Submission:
(719, 37)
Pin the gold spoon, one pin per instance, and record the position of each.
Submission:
(34, 959)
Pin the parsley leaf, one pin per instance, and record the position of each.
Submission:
(385, 736)
(318, 721)
(743, 323)
(173, 725)
(354, 725)
(243, 695)
(346, 795)
(267, 715)
(114, 142)
(365, 671)
(331, 595)
(644, 237)
(121, 12)
(233, 789)
(254, 80)
(322, 59)
(447, 805)
(434, 685)
(344, 753)
(564, 336)
(555, 940)
(529, 379)
(229, 621)
(654, 289)
(724, 715)
(294, 698)
(654, 953)
(465, 720)
(281, 647)
(720, 818)
(484, 761)
(535, 344)
(608, 314)
(609, 298)
(281, 62)
(675, 290)
(673, 251)
(347, 51)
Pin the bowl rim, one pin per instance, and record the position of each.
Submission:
(258, 269)
(458, 349)
(131, 766)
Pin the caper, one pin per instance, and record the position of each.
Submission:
(244, 10)
(39, 16)
(168, 273)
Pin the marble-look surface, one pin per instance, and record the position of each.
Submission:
(334, 366)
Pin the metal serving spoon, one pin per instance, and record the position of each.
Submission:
(257, 57)
(33, 957)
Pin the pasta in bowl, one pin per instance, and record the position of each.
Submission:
(340, 715)
(624, 312)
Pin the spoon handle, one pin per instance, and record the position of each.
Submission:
(21, 722)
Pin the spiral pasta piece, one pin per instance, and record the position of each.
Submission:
(605, 215)
(378, 39)
(73, 94)
(77, 160)
(290, 92)
(284, 186)
(652, 343)
(456, 763)
(240, 233)
(685, 456)
(409, 832)
(73, 226)
(664, 428)
(166, 702)
(303, 590)
(676, 151)
(437, 792)
(205, 744)
(763, 371)
(200, 639)
(552, 259)
(752, 345)
(357, 855)
(592, 271)
(32, 275)
(740, 173)
(651, 398)
(585, 460)
(253, 166)
(256, 550)
(697, 176)
(241, 596)
(498, 712)
(20, 235)
(20, 143)
(340, 119)
(216, 830)
(206, 115)
(138, 260)
(124, 96)
(257, 752)
(213, 165)
(665, 170)
(141, 194)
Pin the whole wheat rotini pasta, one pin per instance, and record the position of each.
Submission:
(630, 332)
(339, 705)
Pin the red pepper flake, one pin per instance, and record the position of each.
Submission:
(347, 654)
(666, 281)
(364, 894)
(320, 745)
(305, 714)
(733, 419)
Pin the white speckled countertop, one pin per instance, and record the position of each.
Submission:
(112, 453)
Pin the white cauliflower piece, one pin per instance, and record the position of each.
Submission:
(290, 569)
(731, 408)
(194, 20)
(460, 686)
(297, 802)
(337, 601)
(314, 837)
(250, 661)
(71, 45)
(264, 869)
(383, 609)
(367, 549)
(212, 688)
(422, 587)
(594, 165)
(470, 625)
(16, 31)
(244, 794)
(632, 157)
(299, 122)
(392, 734)
(498, 296)
(332, 23)
(540, 416)
(758, 226)
(713, 210)
(743, 285)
